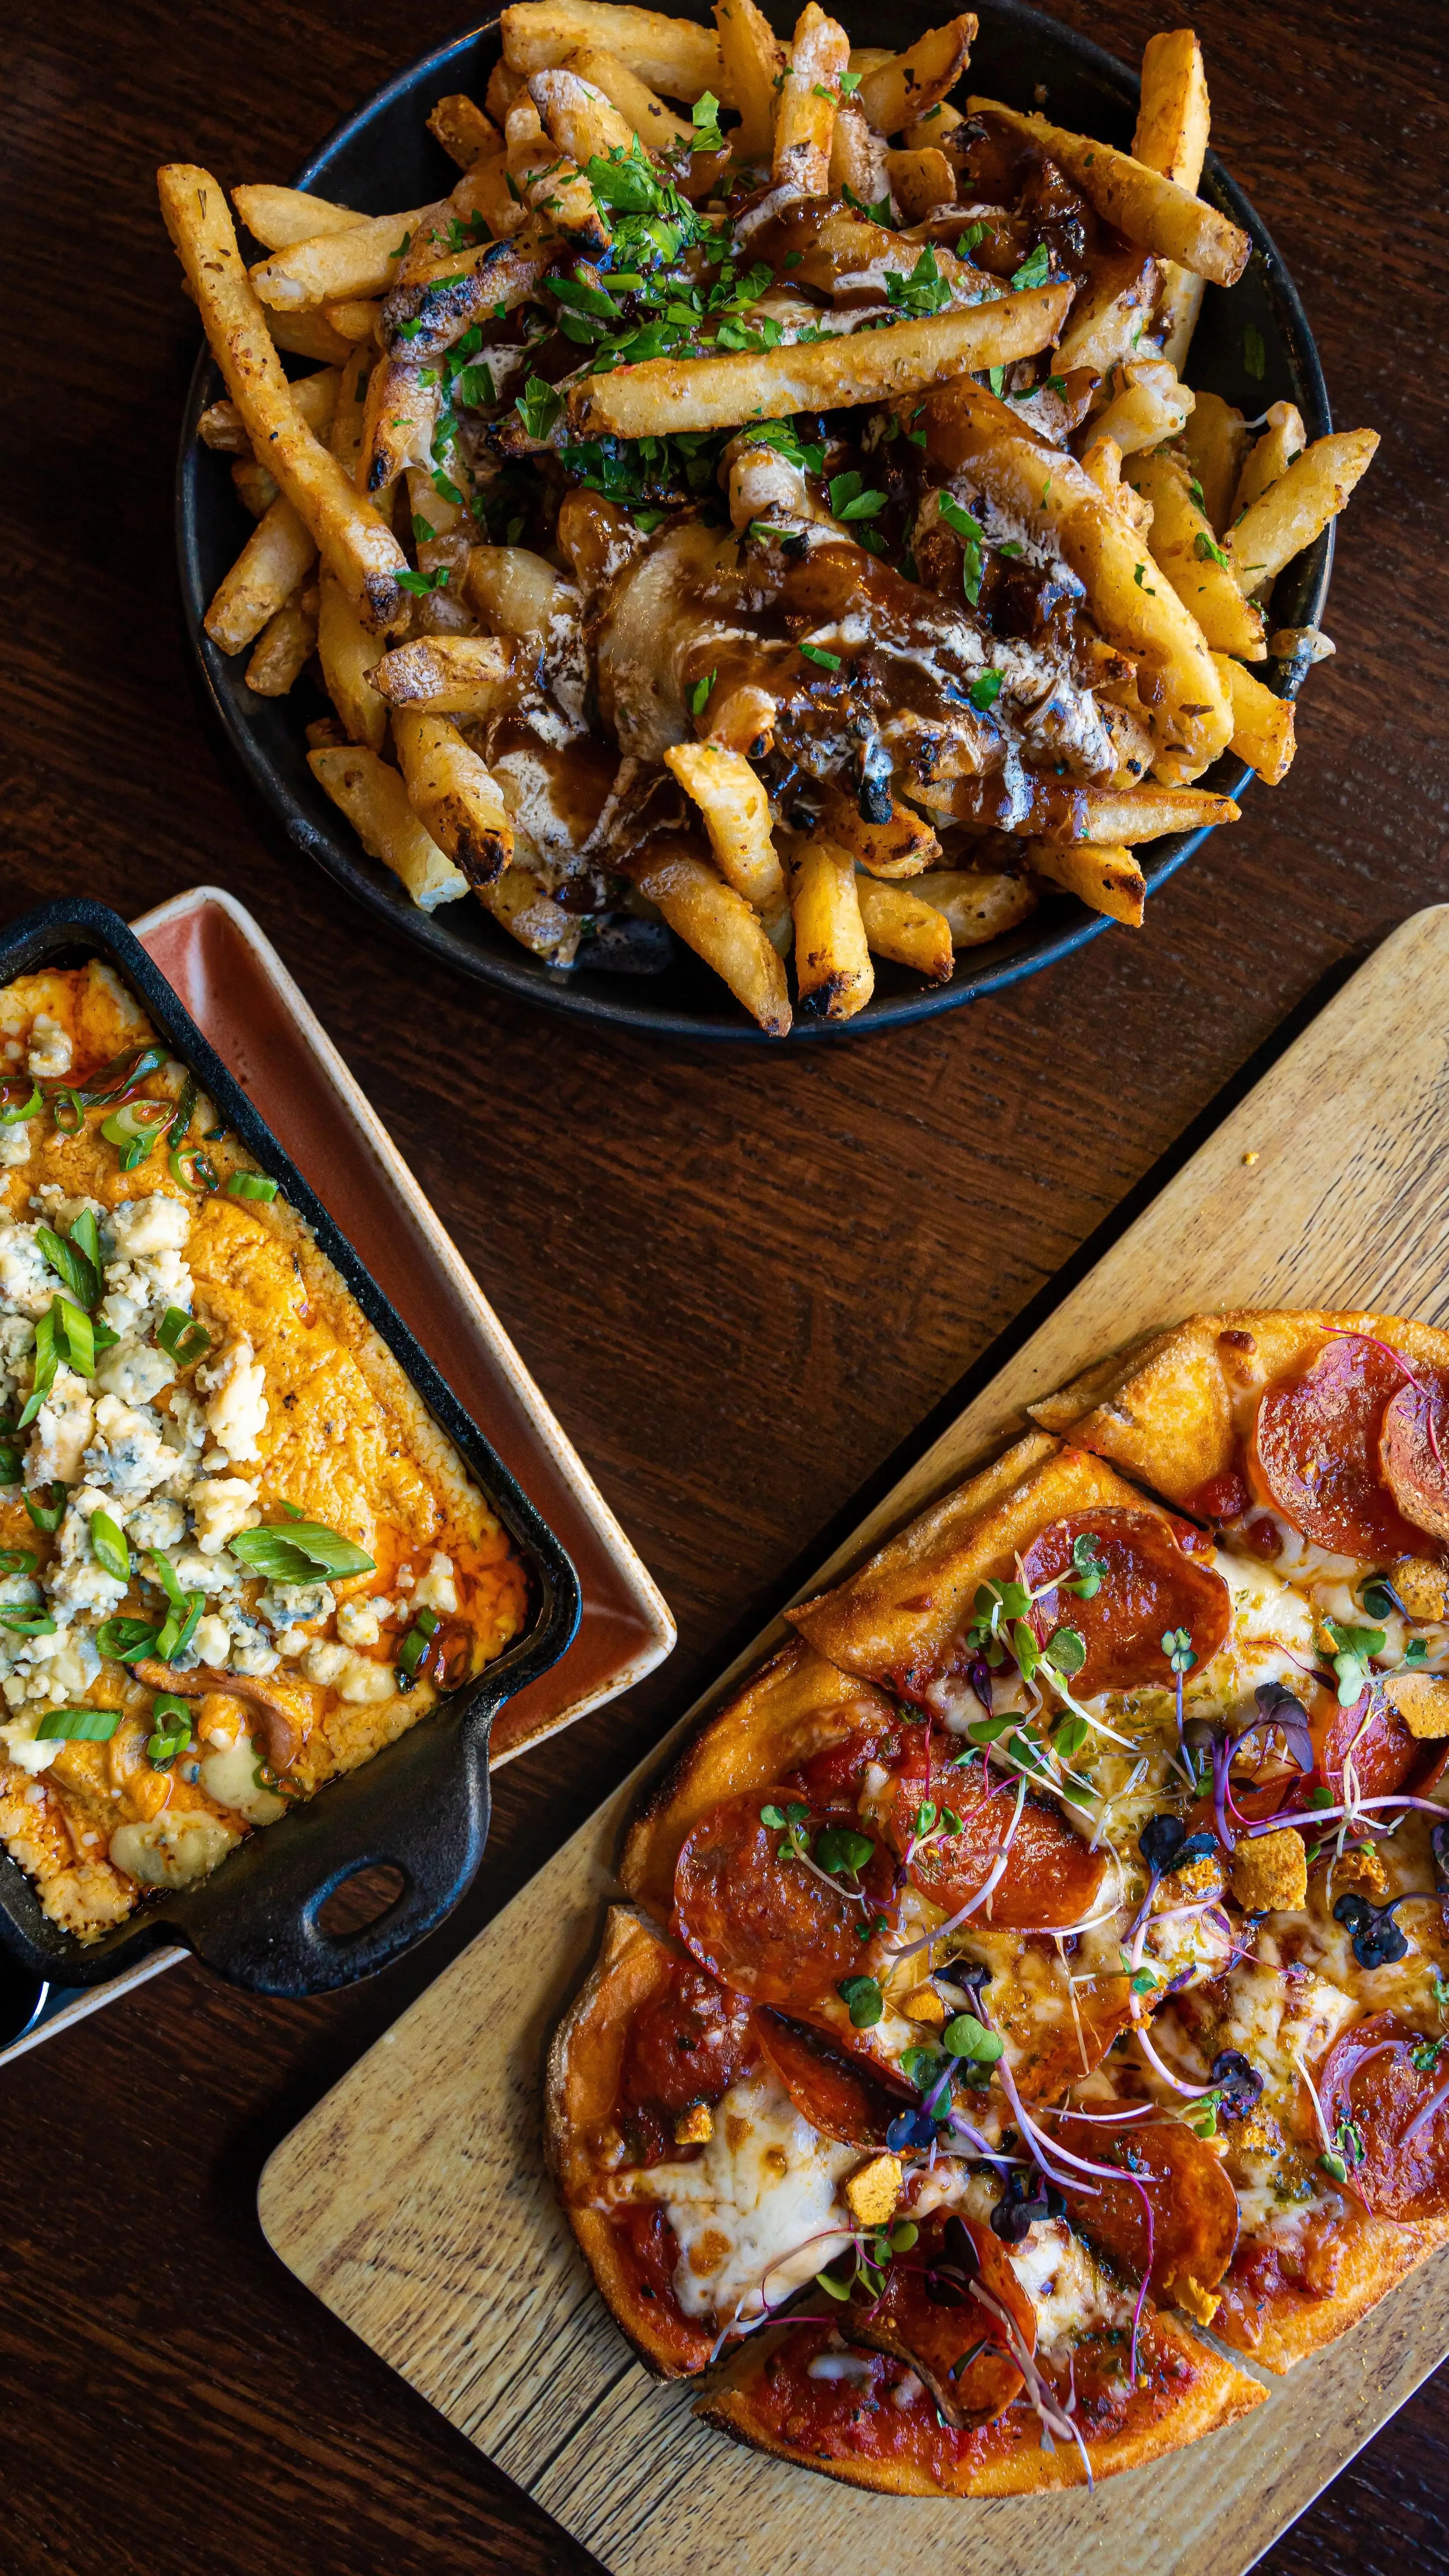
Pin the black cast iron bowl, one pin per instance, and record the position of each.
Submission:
(422, 1804)
(383, 158)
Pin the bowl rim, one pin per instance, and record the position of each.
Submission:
(1058, 929)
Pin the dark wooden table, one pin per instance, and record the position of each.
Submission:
(741, 1278)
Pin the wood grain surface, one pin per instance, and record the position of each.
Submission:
(412, 2200)
(740, 1282)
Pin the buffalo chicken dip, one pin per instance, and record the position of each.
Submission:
(237, 1556)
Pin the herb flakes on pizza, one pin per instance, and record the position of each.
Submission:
(1046, 1954)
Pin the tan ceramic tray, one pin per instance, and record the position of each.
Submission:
(412, 2199)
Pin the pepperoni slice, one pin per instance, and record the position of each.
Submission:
(1194, 2206)
(764, 1925)
(1051, 1878)
(836, 2095)
(1153, 1579)
(1315, 1448)
(1053, 2045)
(686, 2044)
(1414, 1450)
(1370, 2084)
(927, 2316)
(1385, 1754)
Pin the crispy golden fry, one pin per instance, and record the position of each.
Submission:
(361, 260)
(809, 96)
(1262, 723)
(465, 133)
(900, 90)
(401, 417)
(285, 646)
(1064, 812)
(314, 399)
(642, 109)
(1111, 311)
(255, 488)
(442, 533)
(354, 321)
(969, 431)
(736, 814)
(718, 924)
(549, 182)
(375, 802)
(271, 565)
(349, 413)
(351, 537)
(1107, 878)
(1214, 441)
(671, 54)
(464, 287)
(833, 973)
(306, 335)
(278, 217)
(873, 366)
(1171, 138)
(516, 592)
(348, 655)
(1131, 741)
(977, 906)
(1148, 406)
(1149, 210)
(522, 905)
(900, 848)
(920, 181)
(1185, 549)
(504, 84)
(751, 59)
(1297, 508)
(899, 925)
(1269, 456)
(445, 675)
(845, 248)
(453, 793)
(858, 157)
(1102, 461)
(578, 117)
(935, 128)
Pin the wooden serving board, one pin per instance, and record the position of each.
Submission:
(412, 2200)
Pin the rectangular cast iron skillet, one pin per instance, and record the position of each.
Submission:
(422, 1804)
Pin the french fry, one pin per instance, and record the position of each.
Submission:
(578, 117)
(736, 814)
(348, 655)
(656, 125)
(453, 793)
(934, 129)
(899, 925)
(968, 429)
(277, 554)
(1111, 311)
(285, 646)
(834, 977)
(1061, 811)
(751, 59)
(522, 905)
(843, 248)
(445, 675)
(361, 260)
(255, 488)
(314, 399)
(718, 924)
(465, 133)
(442, 533)
(427, 315)
(1108, 879)
(1148, 406)
(349, 413)
(1102, 462)
(858, 157)
(1171, 138)
(504, 85)
(353, 321)
(1297, 508)
(977, 906)
(375, 802)
(1262, 723)
(433, 250)
(516, 592)
(902, 847)
(671, 54)
(347, 530)
(900, 90)
(1149, 210)
(1213, 441)
(550, 184)
(1269, 456)
(398, 426)
(1185, 549)
(920, 181)
(278, 217)
(805, 117)
(874, 366)
(306, 335)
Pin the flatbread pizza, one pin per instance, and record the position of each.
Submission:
(1045, 1957)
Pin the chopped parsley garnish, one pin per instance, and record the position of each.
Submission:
(538, 407)
(984, 691)
(699, 694)
(924, 291)
(817, 653)
(850, 500)
(973, 537)
(1035, 269)
(1207, 549)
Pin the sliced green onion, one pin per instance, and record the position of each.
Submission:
(45, 1510)
(28, 1623)
(299, 1552)
(140, 1119)
(85, 1234)
(165, 1575)
(18, 1560)
(122, 1074)
(126, 1640)
(46, 1361)
(416, 1643)
(15, 1106)
(78, 1726)
(278, 1784)
(182, 1337)
(191, 1168)
(11, 1463)
(171, 1728)
(108, 1546)
(73, 1326)
(251, 1185)
(68, 1113)
(72, 1265)
(180, 1628)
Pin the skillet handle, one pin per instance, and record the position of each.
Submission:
(420, 1806)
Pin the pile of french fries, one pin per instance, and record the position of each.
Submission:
(762, 494)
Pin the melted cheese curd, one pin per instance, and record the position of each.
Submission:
(285, 1397)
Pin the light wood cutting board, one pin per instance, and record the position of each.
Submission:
(412, 2200)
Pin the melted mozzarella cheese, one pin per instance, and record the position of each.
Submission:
(762, 2199)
